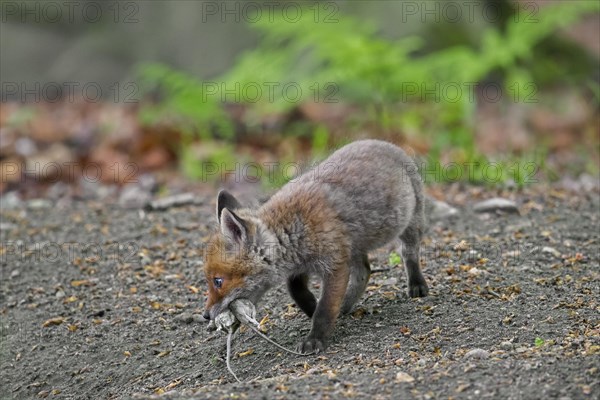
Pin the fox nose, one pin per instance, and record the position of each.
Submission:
(206, 314)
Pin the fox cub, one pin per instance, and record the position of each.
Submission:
(363, 196)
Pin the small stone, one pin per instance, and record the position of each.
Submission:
(25, 147)
(10, 200)
(521, 349)
(7, 226)
(39, 204)
(551, 250)
(403, 377)
(58, 191)
(60, 295)
(133, 196)
(441, 210)
(496, 204)
(507, 345)
(478, 354)
(15, 273)
(390, 281)
(198, 318)
(185, 318)
(475, 271)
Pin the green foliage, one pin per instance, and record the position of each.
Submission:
(400, 87)
(539, 342)
(394, 259)
(185, 100)
(21, 117)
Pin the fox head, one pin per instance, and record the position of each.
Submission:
(238, 262)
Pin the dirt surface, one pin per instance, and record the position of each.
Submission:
(103, 302)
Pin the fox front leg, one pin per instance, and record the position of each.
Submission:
(327, 311)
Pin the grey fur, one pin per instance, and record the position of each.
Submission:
(363, 196)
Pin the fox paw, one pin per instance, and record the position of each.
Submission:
(311, 345)
(418, 290)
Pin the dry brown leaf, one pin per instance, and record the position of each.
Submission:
(246, 353)
(53, 321)
(173, 384)
(193, 289)
(462, 387)
(463, 245)
(83, 282)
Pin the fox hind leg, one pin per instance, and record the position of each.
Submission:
(411, 243)
(360, 271)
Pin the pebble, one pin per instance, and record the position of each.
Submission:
(58, 190)
(60, 295)
(478, 354)
(496, 204)
(7, 226)
(403, 377)
(198, 318)
(390, 281)
(39, 204)
(551, 250)
(507, 345)
(185, 318)
(134, 196)
(10, 200)
(441, 210)
(521, 349)
(15, 273)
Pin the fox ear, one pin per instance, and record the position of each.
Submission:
(233, 227)
(226, 200)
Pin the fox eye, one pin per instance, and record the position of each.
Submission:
(218, 282)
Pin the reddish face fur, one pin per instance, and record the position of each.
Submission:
(220, 263)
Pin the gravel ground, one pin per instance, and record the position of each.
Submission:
(103, 302)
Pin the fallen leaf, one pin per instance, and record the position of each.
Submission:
(193, 289)
(173, 384)
(83, 282)
(53, 321)
(462, 387)
(246, 353)
(463, 245)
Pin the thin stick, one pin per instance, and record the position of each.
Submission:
(227, 360)
(277, 344)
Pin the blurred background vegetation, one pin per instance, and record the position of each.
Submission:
(186, 85)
